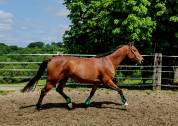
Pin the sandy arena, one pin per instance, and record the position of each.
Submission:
(146, 108)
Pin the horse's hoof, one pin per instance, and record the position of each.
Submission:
(38, 107)
(70, 106)
(123, 107)
(126, 104)
(88, 105)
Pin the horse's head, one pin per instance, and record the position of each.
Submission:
(133, 54)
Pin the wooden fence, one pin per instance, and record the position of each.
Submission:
(155, 68)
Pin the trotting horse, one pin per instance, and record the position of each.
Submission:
(96, 70)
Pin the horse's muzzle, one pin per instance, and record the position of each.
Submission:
(140, 61)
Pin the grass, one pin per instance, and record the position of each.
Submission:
(74, 84)
(127, 83)
(5, 92)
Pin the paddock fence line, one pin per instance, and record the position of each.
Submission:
(149, 74)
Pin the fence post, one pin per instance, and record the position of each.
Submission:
(157, 71)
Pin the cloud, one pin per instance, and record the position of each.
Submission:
(27, 31)
(58, 10)
(62, 13)
(6, 21)
(48, 27)
(63, 27)
(1, 36)
(60, 1)
(2, 1)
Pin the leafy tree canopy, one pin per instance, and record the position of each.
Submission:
(100, 25)
(36, 44)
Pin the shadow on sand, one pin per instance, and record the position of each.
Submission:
(101, 105)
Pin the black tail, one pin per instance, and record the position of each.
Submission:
(35, 79)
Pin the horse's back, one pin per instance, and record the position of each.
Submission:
(80, 69)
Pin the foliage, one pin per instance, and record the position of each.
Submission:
(8, 75)
(165, 36)
(36, 44)
(99, 25)
(5, 92)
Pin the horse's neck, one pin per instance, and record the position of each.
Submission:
(118, 56)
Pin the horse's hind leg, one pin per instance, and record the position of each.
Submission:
(60, 88)
(44, 91)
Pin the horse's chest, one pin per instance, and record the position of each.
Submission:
(111, 73)
(108, 69)
(108, 72)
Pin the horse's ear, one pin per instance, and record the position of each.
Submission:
(131, 44)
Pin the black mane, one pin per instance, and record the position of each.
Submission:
(108, 53)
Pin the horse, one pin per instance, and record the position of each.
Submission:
(95, 70)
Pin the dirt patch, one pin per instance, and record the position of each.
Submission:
(154, 108)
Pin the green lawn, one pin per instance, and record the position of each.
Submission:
(43, 82)
(5, 92)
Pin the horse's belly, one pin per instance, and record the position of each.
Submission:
(83, 79)
(84, 72)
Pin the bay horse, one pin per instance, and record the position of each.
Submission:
(95, 70)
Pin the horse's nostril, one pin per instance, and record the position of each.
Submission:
(140, 61)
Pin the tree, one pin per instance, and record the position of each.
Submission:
(4, 48)
(52, 48)
(36, 44)
(99, 25)
(165, 37)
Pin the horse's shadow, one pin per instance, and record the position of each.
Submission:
(101, 105)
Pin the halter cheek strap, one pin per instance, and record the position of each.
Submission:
(130, 48)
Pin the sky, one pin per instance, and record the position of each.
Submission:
(26, 21)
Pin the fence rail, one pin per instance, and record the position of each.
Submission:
(125, 73)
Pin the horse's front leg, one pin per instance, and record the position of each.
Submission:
(109, 82)
(88, 100)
